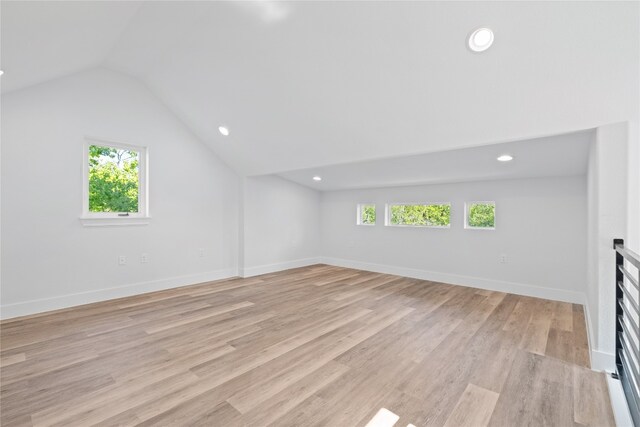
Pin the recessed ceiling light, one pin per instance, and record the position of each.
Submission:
(223, 130)
(481, 39)
(1, 72)
(505, 158)
(317, 178)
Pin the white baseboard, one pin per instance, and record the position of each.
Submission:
(65, 301)
(619, 403)
(590, 331)
(600, 360)
(603, 361)
(454, 279)
(272, 268)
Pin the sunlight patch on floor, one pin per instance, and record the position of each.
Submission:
(384, 418)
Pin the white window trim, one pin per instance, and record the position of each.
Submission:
(102, 219)
(359, 212)
(466, 215)
(387, 215)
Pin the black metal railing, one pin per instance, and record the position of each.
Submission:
(628, 325)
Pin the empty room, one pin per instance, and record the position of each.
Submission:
(320, 213)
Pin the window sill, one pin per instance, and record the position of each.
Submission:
(480, 228)
(114, 222)
(417, 226)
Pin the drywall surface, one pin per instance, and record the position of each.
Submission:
(49, 259)
(540, 228)
(592, 305)
(607, 179)
(281, 225)
(633, 183)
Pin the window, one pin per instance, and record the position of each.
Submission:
(366, 214)
(480, 215)
(115, 178)
(434, 215)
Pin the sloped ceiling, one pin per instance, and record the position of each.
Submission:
(311, 84)
(556, 155)
(44, 40)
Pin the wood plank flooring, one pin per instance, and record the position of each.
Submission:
(318, 345)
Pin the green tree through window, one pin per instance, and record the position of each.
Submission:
(113, 179)
(481, 215)
(421, 215)
(367, 214)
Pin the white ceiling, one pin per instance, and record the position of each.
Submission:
(310, 84)
(45, 40)
(558, 155)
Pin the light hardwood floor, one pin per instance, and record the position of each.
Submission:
(317, 345)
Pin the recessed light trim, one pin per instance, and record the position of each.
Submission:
(317, 178)
(505, 158)
(481, 39)
(223, 130)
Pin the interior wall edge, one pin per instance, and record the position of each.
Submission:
(37, 306)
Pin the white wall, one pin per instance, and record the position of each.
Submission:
(608, 209)
(540, 226)
(281, 225)
(633, 184)
(49, 260)
(592, 303)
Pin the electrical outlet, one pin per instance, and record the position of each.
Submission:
(144, 258)
(503, 259)
(122, 260)
(201, 253)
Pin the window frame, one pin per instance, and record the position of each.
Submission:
(466, 215)
(387, 214)
(116, 218)
(359, 214)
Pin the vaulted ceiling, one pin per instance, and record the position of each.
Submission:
(551, 156)
(310, 84)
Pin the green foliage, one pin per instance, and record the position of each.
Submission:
(113, 180)
(426, 215)
(482, 215)
(368, 214)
